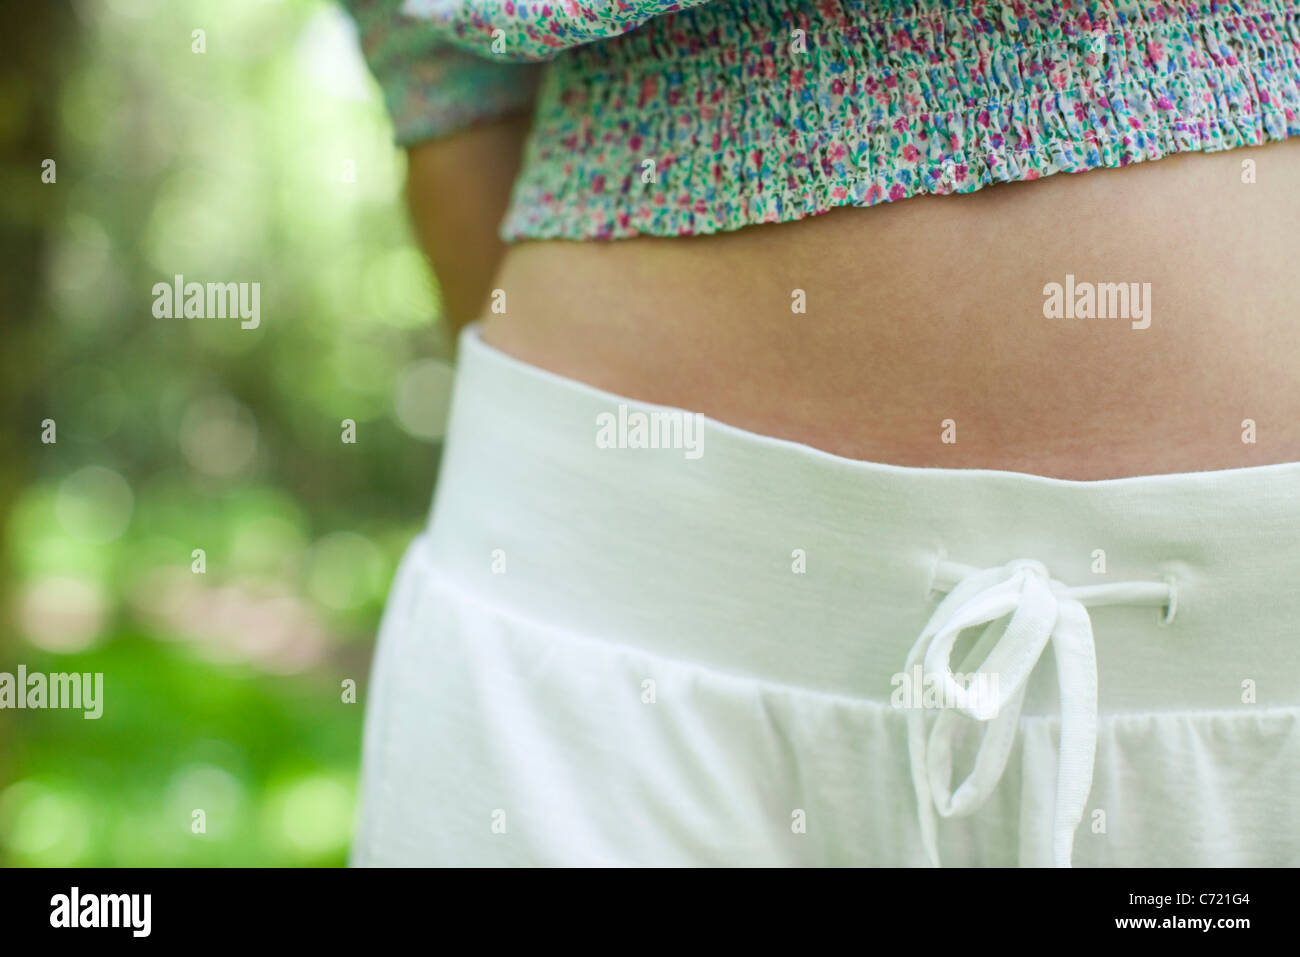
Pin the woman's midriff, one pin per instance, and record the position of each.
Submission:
(956, 331)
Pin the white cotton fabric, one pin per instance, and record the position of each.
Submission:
(633, 656)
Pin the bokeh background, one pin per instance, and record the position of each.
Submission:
(267, 158)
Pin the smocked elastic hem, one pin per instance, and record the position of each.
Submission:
(708, 121)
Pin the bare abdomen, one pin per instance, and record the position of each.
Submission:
(956, 331)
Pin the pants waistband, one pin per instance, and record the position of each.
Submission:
(767, 559)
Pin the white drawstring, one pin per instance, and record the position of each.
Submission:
(1041, 610)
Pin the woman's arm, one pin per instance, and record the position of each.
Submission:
(462, 120)
(457, 190)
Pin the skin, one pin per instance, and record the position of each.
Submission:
(455, 216)
(931, 309)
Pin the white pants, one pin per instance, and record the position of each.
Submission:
(741, 651)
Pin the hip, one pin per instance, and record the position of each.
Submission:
(630, 636)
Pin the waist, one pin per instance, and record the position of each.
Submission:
(768, 559)
(1118, 322)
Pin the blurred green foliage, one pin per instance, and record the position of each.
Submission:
(266, 158)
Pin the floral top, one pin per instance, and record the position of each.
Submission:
(660, 118)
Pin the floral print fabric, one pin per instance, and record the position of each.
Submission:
(431, 88)
(535, 29)
(749, 111)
